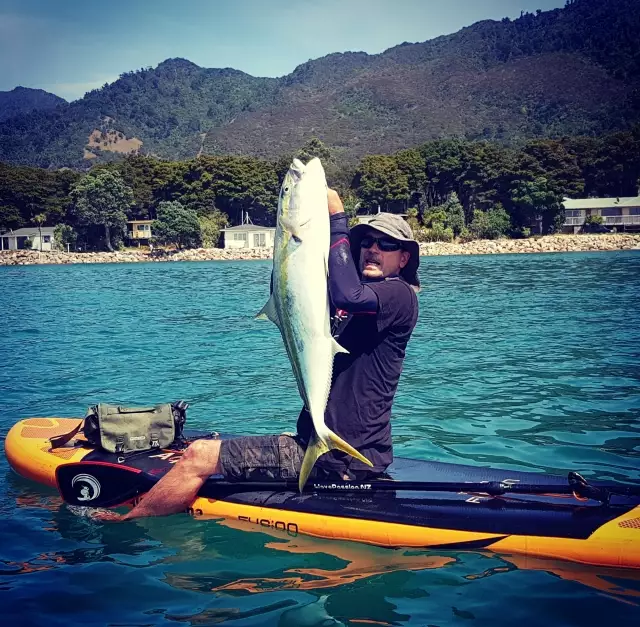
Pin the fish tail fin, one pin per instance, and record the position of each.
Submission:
(337, 442)
(317, 447)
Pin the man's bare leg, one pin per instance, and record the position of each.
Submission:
(179, 487)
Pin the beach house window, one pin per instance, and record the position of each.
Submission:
(46, 239)
(240, 237)
(611, 211)
(634, 211)
(259, 239)
(573, 213)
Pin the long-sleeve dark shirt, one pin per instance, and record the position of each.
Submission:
(381, 317)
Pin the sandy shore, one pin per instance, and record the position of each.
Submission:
(547, 244)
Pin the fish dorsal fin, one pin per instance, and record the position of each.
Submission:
(269, 312)
(336, 348)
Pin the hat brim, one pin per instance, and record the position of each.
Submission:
(410, 272)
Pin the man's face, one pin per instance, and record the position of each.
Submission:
(377, 263)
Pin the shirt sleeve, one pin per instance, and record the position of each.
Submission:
(345, 287)
(397, 303)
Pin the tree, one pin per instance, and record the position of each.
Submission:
(176, 225)
(490, 224)
(454, 214)
(211, 226)
(380, 181)
(23, 188)
(232, 184)
(40, 219)
(536, 201)
(64, 237)
(350, 203)
(412, 164)
(555, 163)
(102, 198)
(315, 148)
(246, 184)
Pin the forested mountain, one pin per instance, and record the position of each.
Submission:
(567, 72)
(23, 100)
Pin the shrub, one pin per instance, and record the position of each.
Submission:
(211, 226)
(490, 224)
(438, 233)
(465, 235)
(63, 235)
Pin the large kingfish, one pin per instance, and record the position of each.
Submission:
(299, 302)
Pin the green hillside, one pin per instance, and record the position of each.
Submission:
(23, 100)
(571, 71)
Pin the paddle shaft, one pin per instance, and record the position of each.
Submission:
(492, 488)
(106, 484)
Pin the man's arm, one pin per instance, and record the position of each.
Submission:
(345, 287)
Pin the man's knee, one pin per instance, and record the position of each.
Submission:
(201, 457)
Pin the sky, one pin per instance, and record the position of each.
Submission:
(69, 47)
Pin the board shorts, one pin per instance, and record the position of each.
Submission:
(264, 457)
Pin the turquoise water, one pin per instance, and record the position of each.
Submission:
(526, 362)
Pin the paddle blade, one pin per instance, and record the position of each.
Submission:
(101, 484)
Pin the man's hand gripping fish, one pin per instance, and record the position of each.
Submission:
(299, 302)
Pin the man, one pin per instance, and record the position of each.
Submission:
(377, 310)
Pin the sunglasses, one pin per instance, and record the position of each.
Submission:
(384, 243)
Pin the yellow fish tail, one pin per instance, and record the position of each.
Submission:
(317, 447)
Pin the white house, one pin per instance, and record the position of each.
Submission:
(15, 240)
(621, 213)
(249, 236)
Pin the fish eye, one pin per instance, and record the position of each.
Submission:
(286, 189)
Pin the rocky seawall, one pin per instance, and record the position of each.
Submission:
(546, 244)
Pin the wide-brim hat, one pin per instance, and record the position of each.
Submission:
(394, 226)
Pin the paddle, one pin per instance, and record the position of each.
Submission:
(103, 484)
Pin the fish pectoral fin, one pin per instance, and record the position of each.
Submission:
(269, 312)
(294, 229)
(335, 441)
(336, 348)
(315, 449)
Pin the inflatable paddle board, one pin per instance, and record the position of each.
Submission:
(556, 524)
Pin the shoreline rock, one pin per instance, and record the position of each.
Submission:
(545, 244)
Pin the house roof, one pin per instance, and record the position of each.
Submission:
(29, 231)
(250, 227)
(601, 203)
(139, 221)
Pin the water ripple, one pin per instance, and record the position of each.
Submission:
(522, 361)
